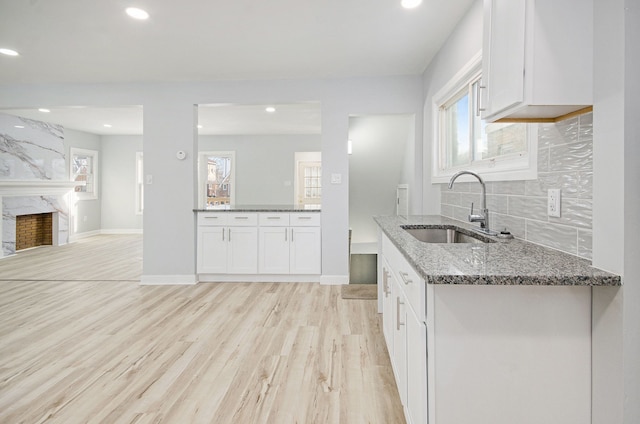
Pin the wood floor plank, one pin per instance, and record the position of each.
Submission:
(117, 352)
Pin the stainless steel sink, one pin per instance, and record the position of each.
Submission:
(443, 235)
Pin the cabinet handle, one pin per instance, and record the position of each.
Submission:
(273, 217)
(211, 217)
(398, 303)
(285, 234)
(240, 217)
(229, 234)
(304, 217)
(405, 278)
(292, 235)
(223, 234)
(384, 281)
(479, 108)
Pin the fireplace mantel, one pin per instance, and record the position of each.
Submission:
(37, 187)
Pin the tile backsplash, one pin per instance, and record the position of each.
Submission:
(565, 161)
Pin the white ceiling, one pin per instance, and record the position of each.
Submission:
(94, 41)
(298, 118)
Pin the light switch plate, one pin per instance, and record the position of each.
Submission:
(553, 202)
(336, 178)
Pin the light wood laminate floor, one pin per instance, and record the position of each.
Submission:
(90, 352)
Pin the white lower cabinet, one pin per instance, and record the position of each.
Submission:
(254, 244)
(305, 250)
(468, 354)
(285, 249)
(387, 304)
(399, 361)
(224, 249)
(405, 333)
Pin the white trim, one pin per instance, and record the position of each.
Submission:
(169, 280)
(258, 278)
(74, 151)
(87, 234)
(139, 178)
(334, 280)
(122, 231)
(202, 175)
(502, 169)
(36, 187)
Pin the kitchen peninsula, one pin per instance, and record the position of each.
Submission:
(259, 243)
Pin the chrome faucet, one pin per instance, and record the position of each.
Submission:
(483, 217)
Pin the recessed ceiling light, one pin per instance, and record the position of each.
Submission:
(18, 126)
(9, 52)
(270, 109)
(410, 4)
(136, 13)
(43, 110)
(107, 125)
(199, 126)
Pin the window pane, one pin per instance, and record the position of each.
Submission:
(457, 136)
(496, 140)
(218, 180)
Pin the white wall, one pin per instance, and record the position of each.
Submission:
(463, 43)
(616, 208)
(119, 183)
(264, 164)
(86, 215)
(376, 167)
(169, 125)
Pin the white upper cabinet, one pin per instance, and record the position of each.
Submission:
(537, 58)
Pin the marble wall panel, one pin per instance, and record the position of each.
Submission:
(23, 205)
(31, 150)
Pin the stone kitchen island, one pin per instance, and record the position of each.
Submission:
(496, 332)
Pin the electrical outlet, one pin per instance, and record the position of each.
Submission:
(553, 202)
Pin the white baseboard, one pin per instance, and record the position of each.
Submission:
(79, 236)
(122, 231)
(334, 280)
(258, 278)
(168, 280)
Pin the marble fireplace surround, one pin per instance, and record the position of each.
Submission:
(30, 197)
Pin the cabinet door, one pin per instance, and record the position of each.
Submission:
(273, 250)
(387, 305)
(503, 54)
(242, 255)
(400, 341)
(212, 250)
(305, 253)
(416, 369)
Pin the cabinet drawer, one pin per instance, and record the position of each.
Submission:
(212, 219)
(412, 285)
(242, 219)
(273, 219)
(304, 219)
(408, 279)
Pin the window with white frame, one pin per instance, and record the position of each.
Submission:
(84, 168)
(462, 140)
(216, 179)
(139, 183)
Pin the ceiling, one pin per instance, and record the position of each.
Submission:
(216, 119)
(92, 41)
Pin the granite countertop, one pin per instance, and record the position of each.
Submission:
(257, 208)
(505, 262)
